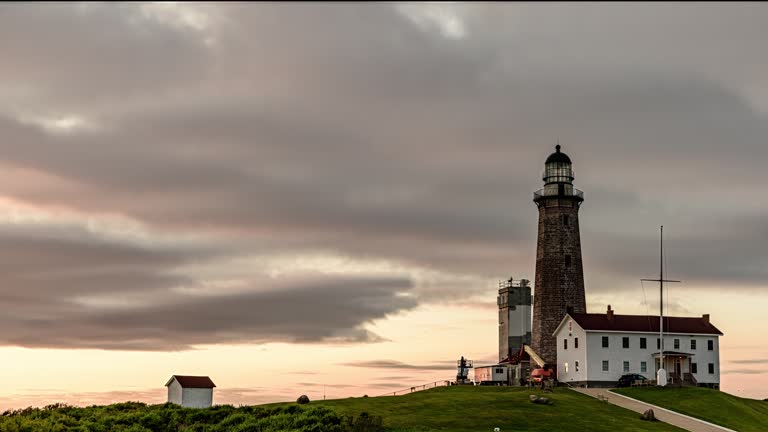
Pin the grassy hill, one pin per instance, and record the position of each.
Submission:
(475, 409)
(741, 414)
(458, 408)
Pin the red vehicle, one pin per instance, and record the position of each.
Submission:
(538, 375)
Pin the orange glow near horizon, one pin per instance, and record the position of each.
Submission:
(249, 374)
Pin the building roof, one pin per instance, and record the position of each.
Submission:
(187, 381)
(644, 323)
(557, 156)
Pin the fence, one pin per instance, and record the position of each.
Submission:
(419, 387)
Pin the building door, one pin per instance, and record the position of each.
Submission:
(677, 367)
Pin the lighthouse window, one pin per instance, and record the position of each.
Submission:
(605, 341)
(710, 345)
(565, 344)
(565, 220)
(711, 368)
(626, 366)
(567, 260)
(643, 367)
(677, 343)
(575, 342)
(693, 344)
(576, 364)
(694, 368)
(605, 365)
(643, 343)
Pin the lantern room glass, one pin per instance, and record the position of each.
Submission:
(558, 172)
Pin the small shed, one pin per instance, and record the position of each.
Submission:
(190, 391)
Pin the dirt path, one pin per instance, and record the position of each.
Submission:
(667, 416)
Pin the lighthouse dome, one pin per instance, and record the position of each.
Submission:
(558, 156)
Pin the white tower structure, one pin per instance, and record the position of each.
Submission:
(514, 302)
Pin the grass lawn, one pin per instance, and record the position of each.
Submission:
(741, 414)
(477, 409)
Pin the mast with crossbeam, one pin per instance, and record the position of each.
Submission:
(661, 374)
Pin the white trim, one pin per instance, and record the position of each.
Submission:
(562, 322)
(674, 412)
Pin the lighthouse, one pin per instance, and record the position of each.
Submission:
(559, 282)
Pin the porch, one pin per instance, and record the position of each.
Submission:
(678, 366)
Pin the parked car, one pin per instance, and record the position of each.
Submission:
(628, 379)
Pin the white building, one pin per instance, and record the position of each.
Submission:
(498, 374)
(190, 391)
(596, 349)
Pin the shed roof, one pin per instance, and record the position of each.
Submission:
(644, 323)
(188, 381)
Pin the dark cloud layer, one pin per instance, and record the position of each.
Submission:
(81, 291)
(370, 132)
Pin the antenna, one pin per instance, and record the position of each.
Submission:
(661, 374)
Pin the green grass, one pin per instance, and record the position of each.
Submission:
(741, 414)
(477, 409)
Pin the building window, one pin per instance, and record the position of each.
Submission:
(643, 343)
(693, 344)
(626, 366)
(677, 343)
(570, 328)
(710, 345)
(565, 220)
(567, 261)
(625, 342)
(605, 365)
(575, 342)
(643, 367)
(565, 344)
(499, 370)
(694, 368)
(711, 368)
(576, 364)
(605, 341)
(565, 366)
(658, 343)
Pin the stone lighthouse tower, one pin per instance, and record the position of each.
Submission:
(559, 284)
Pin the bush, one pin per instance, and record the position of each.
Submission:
(134, 417)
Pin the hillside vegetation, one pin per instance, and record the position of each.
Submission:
(477, 409)
(139, 417)
(741, 414)
(458, 408)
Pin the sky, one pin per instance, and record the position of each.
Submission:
(321, 199)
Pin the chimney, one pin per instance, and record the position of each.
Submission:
(610, 313)
(705, 317)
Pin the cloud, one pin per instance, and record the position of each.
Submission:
(411, 135)
(751, 361)
(78, 289)
(744, 371)
(394, 364)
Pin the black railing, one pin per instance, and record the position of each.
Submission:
(544, 192)
(419, 387)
